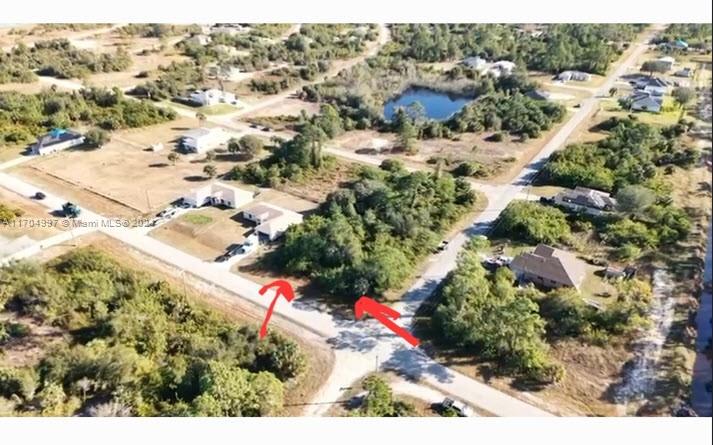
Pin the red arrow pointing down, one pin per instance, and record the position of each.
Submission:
(385, 315)
(283, 289)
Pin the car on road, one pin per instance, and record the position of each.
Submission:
(167, 213)
(456, 406)
(442, 246)
(39, 196)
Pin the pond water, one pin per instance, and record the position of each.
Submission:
(437, 105)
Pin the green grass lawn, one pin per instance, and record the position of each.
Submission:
(197, 219)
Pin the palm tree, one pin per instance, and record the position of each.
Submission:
(201, 118)
(173, 157)
(210, 171)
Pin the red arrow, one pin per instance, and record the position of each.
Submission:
(283, 288)
(385, 315)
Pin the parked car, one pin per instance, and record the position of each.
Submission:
(167, 213)
(39, 196)
(185, 205)
(71, 210)
(442, 246)
(460, 408)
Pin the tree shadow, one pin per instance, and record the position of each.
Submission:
(195, 178)
(413, 363)
(158, 165)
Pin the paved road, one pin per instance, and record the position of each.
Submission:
(361, 347)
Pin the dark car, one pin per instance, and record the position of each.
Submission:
(546, 200)
(39, 196)
(266, 129)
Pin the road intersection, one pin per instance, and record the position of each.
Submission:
(360, 347)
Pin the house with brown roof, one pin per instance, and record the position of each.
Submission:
(549, 267)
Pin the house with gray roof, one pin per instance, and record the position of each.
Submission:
(644, 101)
(549, 267)
(583, 199)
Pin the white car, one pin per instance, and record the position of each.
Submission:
(459, 407)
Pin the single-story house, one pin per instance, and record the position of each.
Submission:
(56, 140)
(549, 267)
(201, 140)
(212, 96)
(217, 193)
(271, 221)
(583, 199)
(579, 76)
(539, 94)
(684, 72)
(476, 63)
(667, 61)
(645, 101)
(653, 85)
(230, 29)
(501, 68)
(199, 39)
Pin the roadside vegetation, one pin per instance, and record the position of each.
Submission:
(24, 117)
(367, 237)
(134, 347)
(58, 58)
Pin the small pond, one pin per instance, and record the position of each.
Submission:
(438, 105)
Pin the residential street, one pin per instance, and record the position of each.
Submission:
(702, 375)
(363, 346)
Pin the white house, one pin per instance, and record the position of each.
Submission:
(579, 76)
(501, 68)
(476, 63)
(218, 193)
(583, 199)
(212, 96)
(204, 139)
(56, 140)
(271, 221)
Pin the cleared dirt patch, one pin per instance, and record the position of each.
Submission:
(125, 178)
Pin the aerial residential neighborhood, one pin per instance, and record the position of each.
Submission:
(530, 204)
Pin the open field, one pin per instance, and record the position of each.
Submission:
(124, 177)
(501, 160)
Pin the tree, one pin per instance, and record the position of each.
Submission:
(634, 199)
(70, 210)
(613, 91)
(8, 215)
(96, 138)
(533, 222)
(683, 95)
(210, 156)
(210, 171)
(250, 145)
(407, 134)
(654, 66)
(173, 157)
(201, 118)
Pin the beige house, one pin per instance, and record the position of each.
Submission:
(583, 199)
(217, 193)
(549, 267)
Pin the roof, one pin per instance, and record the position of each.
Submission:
(652, 82)
(264, 211)
(643, 99)
(552, 264)
(588, 198)
(475, 61)
(57, 135)
(200, 132)
(667, 59)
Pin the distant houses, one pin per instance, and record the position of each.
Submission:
(583, 199)
(217, 193)
(56, 140)
(212, 96)
(549, 267)
(201, 140)
(684, 72)
(579, 76)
